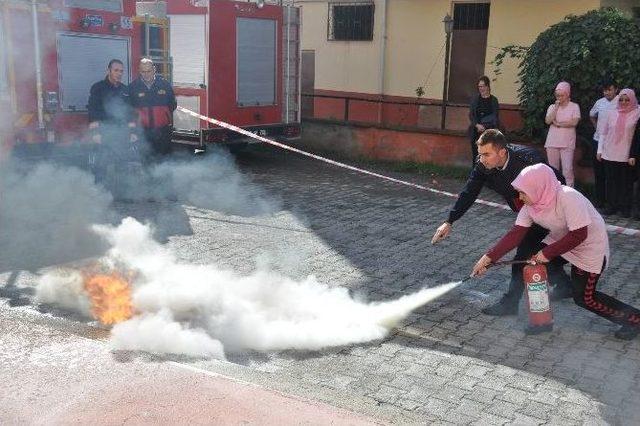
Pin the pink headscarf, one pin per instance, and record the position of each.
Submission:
(564, 87)
(540, 184)
(624, 113)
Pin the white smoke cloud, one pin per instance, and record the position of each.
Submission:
(211, 181)
(204, 310)
(46, 212)
(64, 287)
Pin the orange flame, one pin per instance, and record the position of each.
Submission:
(110, 295)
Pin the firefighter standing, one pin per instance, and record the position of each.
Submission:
(111, 120)
(153, 98)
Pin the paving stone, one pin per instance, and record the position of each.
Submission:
(503, 409)
(447, 358)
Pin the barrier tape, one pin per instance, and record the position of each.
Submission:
(611, 228)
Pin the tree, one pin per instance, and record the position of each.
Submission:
(583, 50)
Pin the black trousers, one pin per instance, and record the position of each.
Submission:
(114, 150)
(159, 141)
(636, 192)
(619, 184)
(586, 296)
(530, 245)
(598, 175)
(473, 137)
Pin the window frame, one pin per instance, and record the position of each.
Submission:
(367, 33)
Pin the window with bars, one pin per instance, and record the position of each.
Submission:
(471, 16)
(350, 21)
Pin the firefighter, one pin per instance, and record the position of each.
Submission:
(111, 121)
(154, 100)
(497, 165)
(577, 235)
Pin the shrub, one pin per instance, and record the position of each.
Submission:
(583, 50)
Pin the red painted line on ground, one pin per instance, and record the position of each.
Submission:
(611, 228)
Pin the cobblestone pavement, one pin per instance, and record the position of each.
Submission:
(447, 363)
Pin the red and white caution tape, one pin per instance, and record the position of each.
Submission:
(611, 228)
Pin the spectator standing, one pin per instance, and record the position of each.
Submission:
(635, 153)
(562, 117)
(598, 117)
(614, 149)
(483, 114)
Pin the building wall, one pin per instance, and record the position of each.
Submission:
(341, 65)
(519, 22)
(415, 36)
(414, 55)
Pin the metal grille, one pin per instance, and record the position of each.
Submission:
(471, 16)
(350, 21)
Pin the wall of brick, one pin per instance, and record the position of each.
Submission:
(359, 141)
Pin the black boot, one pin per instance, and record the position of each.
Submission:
(627, 332)
(507, 305)
(562, 288)
(560, 292)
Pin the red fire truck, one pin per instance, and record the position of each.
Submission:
(238, 62)
(235, 61)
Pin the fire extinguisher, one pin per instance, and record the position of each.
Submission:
(537, 298)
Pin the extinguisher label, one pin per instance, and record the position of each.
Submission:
(538, 297)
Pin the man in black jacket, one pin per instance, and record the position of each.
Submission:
(109, 105)
(497, 166)
(112, 122)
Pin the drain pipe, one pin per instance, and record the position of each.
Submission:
(383, 50)
(36, 42)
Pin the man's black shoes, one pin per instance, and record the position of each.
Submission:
(506, 306)
(627, 332)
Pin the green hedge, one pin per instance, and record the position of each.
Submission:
(583, 50)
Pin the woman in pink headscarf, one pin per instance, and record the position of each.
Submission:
(562, 117)
(577, 234)
(614, 149)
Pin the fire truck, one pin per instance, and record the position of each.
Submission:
(235, 61)
(238, 62)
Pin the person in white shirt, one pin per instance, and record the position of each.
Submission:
(597, 115)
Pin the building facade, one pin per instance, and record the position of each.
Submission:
(383, 61)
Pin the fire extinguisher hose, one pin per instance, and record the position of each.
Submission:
(503, 263)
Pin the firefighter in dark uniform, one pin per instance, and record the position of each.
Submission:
(154, 100)
(111, 121)
(497, 166)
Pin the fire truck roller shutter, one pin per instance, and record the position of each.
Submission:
(4, 80)
(256, 56)
(188, 49)
(82, 60)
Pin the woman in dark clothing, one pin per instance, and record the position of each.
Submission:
(635, 153)
(483, 114)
